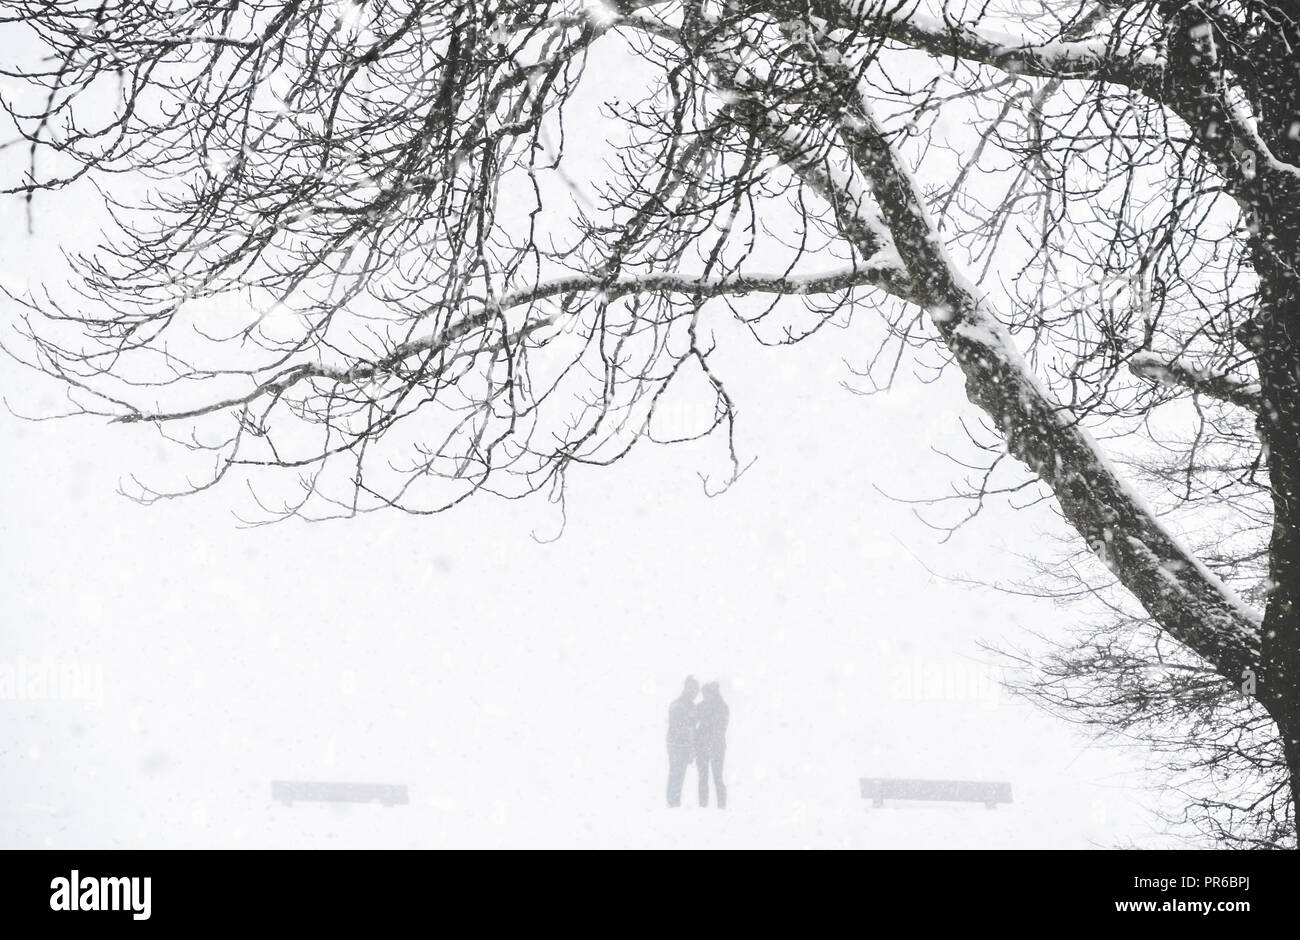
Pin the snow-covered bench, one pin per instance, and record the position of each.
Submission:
(289, 792)
(988, 792)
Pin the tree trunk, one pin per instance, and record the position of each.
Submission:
(1258, 156)
(1277, 344)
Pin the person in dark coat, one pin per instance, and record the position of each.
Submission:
(711, 717)
(681, 738)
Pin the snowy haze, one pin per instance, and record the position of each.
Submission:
(519, 688)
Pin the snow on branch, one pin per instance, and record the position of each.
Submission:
(1167, 370)
(1091, 59)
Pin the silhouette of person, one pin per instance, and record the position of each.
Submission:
(681, 738)
(711, 742)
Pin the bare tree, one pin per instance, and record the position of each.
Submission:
(373, 256)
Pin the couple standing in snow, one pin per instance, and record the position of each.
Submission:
(697, 731)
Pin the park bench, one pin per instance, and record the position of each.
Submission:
(988, 792)
(289, 792)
